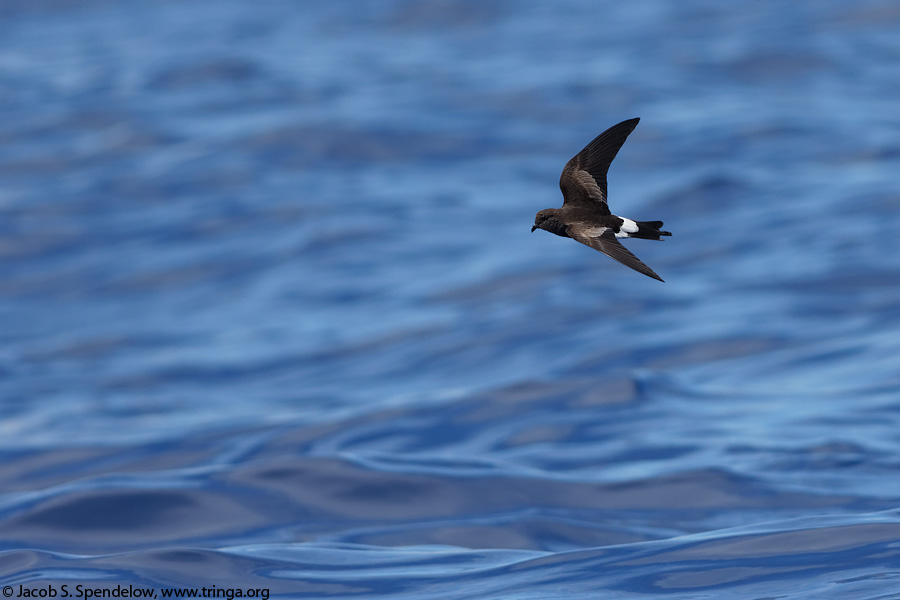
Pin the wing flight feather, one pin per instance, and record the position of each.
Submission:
(604, 240)
(583, 180)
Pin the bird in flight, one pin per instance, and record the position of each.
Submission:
(585, 216)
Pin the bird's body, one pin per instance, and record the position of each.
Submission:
(585, 216)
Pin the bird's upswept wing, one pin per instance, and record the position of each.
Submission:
(604, 240)
(583, 180)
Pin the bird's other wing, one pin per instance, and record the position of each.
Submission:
(583, 180)
(604, 240)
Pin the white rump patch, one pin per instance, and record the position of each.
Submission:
(627, 227)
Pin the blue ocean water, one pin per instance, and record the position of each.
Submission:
(272, 316)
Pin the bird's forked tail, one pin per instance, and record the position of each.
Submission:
(648, 230)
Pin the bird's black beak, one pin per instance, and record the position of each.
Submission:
(533, 228)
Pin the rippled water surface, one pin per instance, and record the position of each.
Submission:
(272, 317)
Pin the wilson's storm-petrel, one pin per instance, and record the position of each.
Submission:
(584, 215)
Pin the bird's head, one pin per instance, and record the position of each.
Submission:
(541, 218)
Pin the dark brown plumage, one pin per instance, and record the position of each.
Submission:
(585, 216)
